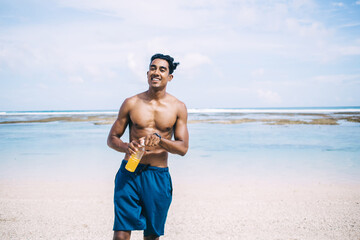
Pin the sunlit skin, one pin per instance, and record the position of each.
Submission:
(153, 111)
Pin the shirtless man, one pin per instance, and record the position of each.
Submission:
(142, 198)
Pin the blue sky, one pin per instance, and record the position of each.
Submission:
(77, 54)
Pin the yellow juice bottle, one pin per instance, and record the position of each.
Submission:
(135, 158)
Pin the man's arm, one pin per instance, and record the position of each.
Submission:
(118, 129)
(181, 134)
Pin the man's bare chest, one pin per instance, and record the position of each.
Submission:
(162, 119)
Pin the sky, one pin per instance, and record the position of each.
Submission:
(91, 55)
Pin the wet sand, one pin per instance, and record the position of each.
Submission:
(226, 210)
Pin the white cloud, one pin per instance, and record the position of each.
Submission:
(357, 3)
(307, 28)
(42, 86)
(348, 50)
(349, 25)
(178, 14)
(257, 72)
(268, 96)
(195, 66)
(247, 16)
(299, 4)
(338, 79)
(49, 49)
(193, 60)
(137, 66)
(228, 90)
(76, 79)
(338, 4)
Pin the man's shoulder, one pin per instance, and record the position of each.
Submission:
(173, 99)
(176, 102)
(133, 99)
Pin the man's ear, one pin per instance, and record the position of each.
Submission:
(170, 77)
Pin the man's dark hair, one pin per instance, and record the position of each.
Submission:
(170, 60)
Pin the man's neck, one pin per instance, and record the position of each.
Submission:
(156, 94)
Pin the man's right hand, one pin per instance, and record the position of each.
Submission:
(133, 147)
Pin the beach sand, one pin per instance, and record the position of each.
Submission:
(200, 210)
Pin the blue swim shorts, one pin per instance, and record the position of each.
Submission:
(142, 199)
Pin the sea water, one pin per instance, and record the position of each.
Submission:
(255, 150)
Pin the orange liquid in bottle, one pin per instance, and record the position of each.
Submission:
(134, 159)
(132, 163)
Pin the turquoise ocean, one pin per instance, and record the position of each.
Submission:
(303, 145)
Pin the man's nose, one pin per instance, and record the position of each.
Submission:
(156, 73)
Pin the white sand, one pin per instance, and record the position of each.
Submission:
(60, 210)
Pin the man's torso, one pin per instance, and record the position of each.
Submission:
(154, 116)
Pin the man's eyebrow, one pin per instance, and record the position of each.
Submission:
(153, 65)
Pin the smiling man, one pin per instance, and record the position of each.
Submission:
(142, 198)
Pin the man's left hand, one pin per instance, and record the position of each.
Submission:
(152, 140)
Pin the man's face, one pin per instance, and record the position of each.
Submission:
(158, 74)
